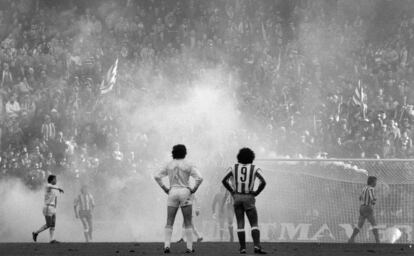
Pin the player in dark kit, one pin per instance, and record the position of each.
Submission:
(366, 210)
(240, 181)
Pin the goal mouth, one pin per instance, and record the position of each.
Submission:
(317, 200)
(388, 171)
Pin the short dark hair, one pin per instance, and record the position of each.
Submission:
(50, 178)
(245, 156)
(179, 151)
(371, 179)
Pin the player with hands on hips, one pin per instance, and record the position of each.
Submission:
(179, 172)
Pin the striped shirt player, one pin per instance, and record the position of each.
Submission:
(83, 206)
(48, 129)
(179, 172)
(240, 181)
(367, 196)
(49, 208)
(366, 209)
(243, 177)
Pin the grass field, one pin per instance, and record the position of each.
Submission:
(208, 248)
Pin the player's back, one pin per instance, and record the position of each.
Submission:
(244, 176)
(179, 172)
(367, 196)
(50, 195)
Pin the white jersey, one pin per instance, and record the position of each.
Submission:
(51, 195)
(179, 173)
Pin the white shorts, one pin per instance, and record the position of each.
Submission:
(49, 210)
(179, 197)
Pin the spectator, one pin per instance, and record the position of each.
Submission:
(7, 78)
(13, 107)
(48, 129)
(404, 145)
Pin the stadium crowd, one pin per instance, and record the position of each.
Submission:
(299, 62)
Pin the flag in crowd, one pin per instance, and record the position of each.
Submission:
(109, 81)
(359, 99)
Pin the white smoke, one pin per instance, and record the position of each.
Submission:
(392, 235)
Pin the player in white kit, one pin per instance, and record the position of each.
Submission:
(49, 209)
(179, 172)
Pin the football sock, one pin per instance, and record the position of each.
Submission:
(196, 233)
(90, 232)
(376, 235)
(221, 234)
(52, 234)
(86, 236)
(183, 233)
(242, 239)
(354, 234)
(189, 236)
(231, 233)
(256, 237)
(167, 238)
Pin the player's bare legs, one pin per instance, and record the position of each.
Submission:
(171, 213)
(188, 216)
(239, 211)
(90, 228)
(85, 229)
(357, 229)
(361, 222)
(373, 223)
(50, 224)
(40, 230)
(230, 216)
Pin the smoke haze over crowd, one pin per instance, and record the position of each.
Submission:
(277, 76)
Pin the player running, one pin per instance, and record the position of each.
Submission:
(243, 176)
(366, 210)
(196, 213)
(49, 209)
(83, 207)
(223, 211)
(179, 172)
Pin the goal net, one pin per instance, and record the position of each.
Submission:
(317, 200)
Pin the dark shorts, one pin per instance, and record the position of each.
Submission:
(366, 212)
(85, 214)
(247, 202)
(51, 221)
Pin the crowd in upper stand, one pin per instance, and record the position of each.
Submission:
(298, 63)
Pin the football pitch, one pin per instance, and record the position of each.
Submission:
(206, 248)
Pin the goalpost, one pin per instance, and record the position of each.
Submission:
(316, 200)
